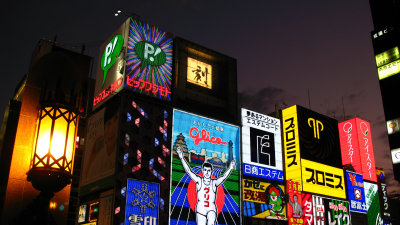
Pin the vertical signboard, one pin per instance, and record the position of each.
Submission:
(111, 67)
(142, 202)
(372, 201)
(101, 142)
(308, 217)
(261, 141)
(355, 192)
(205, 184)
(149, 60)
(366, 150)
(318, 210)
(349, 144)
(356, 147)
(291, 144)
(263, 200)
(337, 211)
(294, 205)
(383, 195)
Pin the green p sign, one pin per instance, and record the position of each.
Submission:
(111, 54)
(150, 53)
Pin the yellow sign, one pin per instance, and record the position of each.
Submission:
(199, 73)
(389, 69)
(291, 144)
(92, 223)
(323, 179)
(387, 56)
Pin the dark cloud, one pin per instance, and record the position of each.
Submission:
(262, 100)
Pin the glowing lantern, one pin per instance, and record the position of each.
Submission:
(52, 162)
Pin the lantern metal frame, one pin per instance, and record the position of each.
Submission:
(48, 173)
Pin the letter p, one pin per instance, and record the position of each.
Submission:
(148, 49)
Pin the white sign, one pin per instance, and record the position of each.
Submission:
(395, 155)
(261, 136)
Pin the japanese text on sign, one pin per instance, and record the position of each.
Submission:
(147, 86)
(323, 179)
(262, 172)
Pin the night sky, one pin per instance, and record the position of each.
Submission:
(285, 50)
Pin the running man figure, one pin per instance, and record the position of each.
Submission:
(206, 208)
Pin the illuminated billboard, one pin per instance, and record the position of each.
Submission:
(308, 210)
(356, 147)
(392, 126)
(323, 179)
(319, 137)
(383, 195)
(199, 73)
(389, 69)
(355, 192)
(261, 144)
(387, 56)
(395, 155)
(294, 203)
(372, 201)
(82, 213)
(263, 200)
(142, 202)
(111, 71)
(337, 211)
(205, 171)
(388, 62)
(291, 144)
(149, 60)
(318, 210)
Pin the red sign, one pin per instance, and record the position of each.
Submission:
(295, 204)
(308, 218)
(356, 147)
(106, 92)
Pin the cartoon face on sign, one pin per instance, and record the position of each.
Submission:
(204, 171)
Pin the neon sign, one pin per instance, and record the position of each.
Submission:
(106, 92)
(205, 136)
(110, 54)
(142, 203)
(356, 147)
(149, 60)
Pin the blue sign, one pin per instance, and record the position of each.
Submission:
(142, 201)
(355, 191)
(262, 172)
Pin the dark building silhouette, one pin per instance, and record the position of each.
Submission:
(386, 42)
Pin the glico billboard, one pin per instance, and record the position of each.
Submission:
(261, 142)
(137, 56)
(356, 147)
(312, 153)
(205, 184)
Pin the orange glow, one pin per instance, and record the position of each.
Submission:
(55, 142)
(53, 205)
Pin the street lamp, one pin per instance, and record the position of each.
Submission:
(52, 161)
